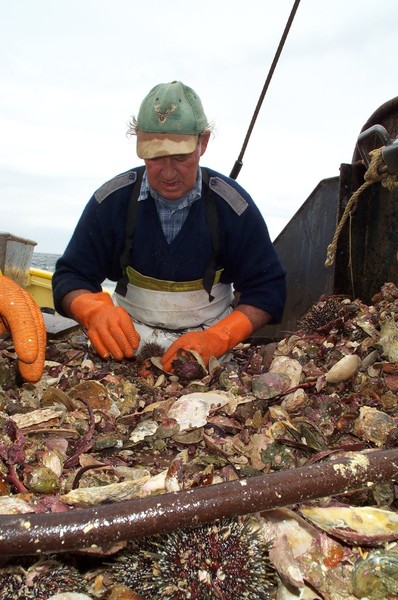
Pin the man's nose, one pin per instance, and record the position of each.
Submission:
(168, 167)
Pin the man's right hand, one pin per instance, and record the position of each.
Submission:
(109, 327)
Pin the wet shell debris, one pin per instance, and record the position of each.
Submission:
(94, 432)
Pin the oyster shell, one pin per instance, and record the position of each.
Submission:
(355, 524)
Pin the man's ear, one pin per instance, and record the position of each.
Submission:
(204, 140)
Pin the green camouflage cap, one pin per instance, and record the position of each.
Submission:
(169, 121)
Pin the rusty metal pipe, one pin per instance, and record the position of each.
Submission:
(105, 525)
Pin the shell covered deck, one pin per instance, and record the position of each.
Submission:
(91, 434)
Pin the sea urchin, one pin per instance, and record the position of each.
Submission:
(226, 560)
(11, 583)
(49, 577)
(322, 316)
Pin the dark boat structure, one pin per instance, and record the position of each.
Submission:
(366, 253)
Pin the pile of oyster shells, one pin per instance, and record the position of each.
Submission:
(93, 432)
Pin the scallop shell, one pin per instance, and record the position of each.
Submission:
(270, 385)
(191, 411)
(345, 368)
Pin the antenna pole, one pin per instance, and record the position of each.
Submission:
(239, 161)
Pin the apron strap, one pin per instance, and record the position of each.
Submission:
(212, 222)
(121, 286)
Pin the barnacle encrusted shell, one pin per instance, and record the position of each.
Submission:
(373, 425)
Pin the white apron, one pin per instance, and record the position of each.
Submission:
(162, 317)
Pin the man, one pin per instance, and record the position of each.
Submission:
(175, 237)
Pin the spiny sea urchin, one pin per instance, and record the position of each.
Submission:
(47, 578)
(322, 314)
(11, 583)
(150, 349)
(226, 560)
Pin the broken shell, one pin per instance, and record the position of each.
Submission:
(113, 492)
(143, 430)
(51, 460)
(41, 416)
(389, 339)
(13, 505)
(70, 596)
(345, 368)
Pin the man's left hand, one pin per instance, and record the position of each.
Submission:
(214, 341)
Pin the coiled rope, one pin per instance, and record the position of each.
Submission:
(372, 175)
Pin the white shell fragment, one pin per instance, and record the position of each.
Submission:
(284, 373)
(345, 368)
(12, 505)
(144, 429)
(191, 411)
(114, 492)
(70, 596)
(37, 417)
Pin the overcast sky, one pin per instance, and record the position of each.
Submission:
(72, 74)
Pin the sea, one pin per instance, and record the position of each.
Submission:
(46, 262)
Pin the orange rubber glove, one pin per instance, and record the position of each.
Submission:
(109, 327)
(22, 318)
(214, 341)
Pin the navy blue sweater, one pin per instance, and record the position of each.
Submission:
(247, 254)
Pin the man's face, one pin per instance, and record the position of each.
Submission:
(174, 176)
